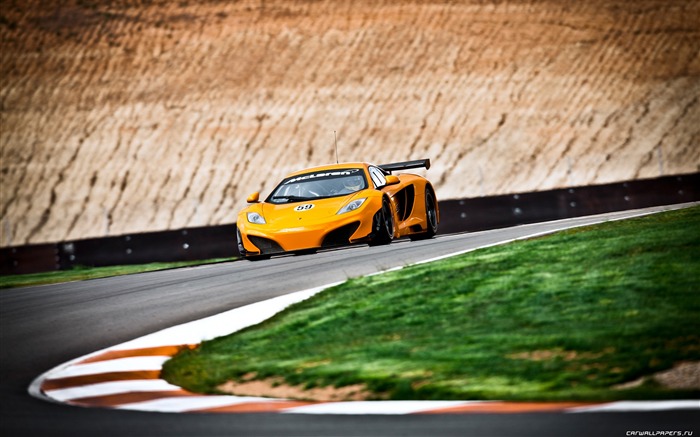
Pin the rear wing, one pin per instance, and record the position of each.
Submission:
(394, 166)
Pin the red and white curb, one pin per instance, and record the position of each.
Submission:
(127, 377)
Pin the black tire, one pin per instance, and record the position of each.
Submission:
(430, 217)
(383, 225)
(239, 241)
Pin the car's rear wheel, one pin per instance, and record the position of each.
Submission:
(383, 225)
(431, 217)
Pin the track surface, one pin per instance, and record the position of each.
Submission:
(43, 327)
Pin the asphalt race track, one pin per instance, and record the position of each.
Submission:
(43, 327)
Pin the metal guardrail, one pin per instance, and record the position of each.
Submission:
(456, 215)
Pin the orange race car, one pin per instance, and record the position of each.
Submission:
(338, 205)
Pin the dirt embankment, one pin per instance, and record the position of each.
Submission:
(128, 116)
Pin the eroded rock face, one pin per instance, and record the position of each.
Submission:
(131, 116)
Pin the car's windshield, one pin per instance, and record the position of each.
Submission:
(318, 185)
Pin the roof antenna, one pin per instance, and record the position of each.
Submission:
(336, 147)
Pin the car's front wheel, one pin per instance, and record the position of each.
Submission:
(383, 225)
(239, 239)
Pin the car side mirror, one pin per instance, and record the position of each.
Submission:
(392, 180)
(253, 198)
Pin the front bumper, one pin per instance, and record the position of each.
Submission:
(349, 228)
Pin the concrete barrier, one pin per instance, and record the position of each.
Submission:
(456, 215)
(481, 213)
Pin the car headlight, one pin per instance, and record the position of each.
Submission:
(254, 217)
(352, 206)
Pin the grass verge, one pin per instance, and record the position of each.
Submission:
(83, 273)
(562, 317)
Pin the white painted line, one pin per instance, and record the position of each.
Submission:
(640, 213)
(190, 403)
(130, 364)
(221, 324)
(375, 407)
(692, 404)
(111, 388)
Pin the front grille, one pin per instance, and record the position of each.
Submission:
(265, 245)
(340, 236)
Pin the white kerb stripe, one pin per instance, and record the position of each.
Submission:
(131, 364)
(111, 388)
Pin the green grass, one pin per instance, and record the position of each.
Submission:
(82, 273)
(562, 317)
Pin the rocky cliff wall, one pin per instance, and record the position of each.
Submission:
(129, 116)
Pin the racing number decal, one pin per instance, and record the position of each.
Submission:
(304, 207)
